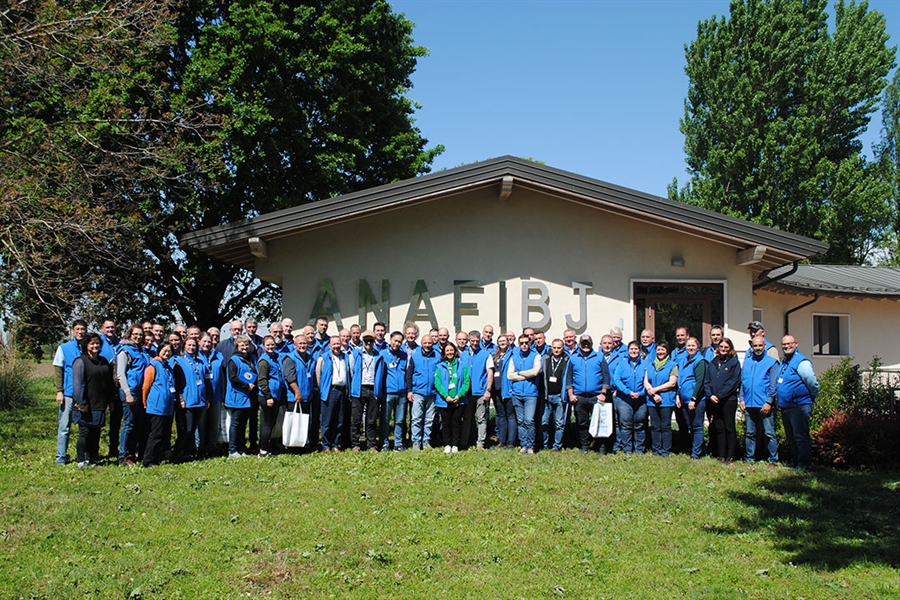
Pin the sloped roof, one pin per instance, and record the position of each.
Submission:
(841, 280)
(230, 242)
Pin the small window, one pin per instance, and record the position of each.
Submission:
(757, 315)
(831, 335)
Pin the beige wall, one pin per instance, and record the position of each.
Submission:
(478, 236)
(874, 325)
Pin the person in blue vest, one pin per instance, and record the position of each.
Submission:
(211, 421)
(648, 345)
(420, 391)
(109, 345)
(501, 395)
(299, 368)
(556, 364)
(92, 392)
(722, 385)
(131, 362)
(716, 333)
(395, 361)
(62, 377)
(271, 384)
(192, 389)
(451, 383)
(660, 383)
(321, 341)
(619, 348)
(757, 399)
(333, 375)
(755, 328)
(487, 339)
(587, 383)
(681, 337)
(691, 399)
(240, 394)
(366, 392)
(480, 362)
(611, 357)
(523, 372)
(796, 388)
(159, 404)
(632, 406)
(379, 329)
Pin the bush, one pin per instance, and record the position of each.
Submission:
(858, 441)
(838, 386)
(15, 378)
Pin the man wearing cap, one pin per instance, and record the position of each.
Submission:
(587, 382)
(366, 391)
(755, 328)
(797, 388)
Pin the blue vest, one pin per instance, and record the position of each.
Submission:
(505, 385)
(71, 350)
(528, 387)
(108, 349)
(687, 382)
(478, 373)
(356, 378)
(235, 398)
(276, 376)
(423, 372)
(305, 370)
(756, 380)
(138, 361)
(213, 361)
(586, 373)
(194, 391)
(325, 381)
(629, 378)
(395, 371)
(160, 399)
(612, 363)
(749, 353)
(791, 390)
(658, 377)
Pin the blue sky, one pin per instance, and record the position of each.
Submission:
(595, 87)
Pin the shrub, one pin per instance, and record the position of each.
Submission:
(838, 387)
(15, 378)
(860, 441)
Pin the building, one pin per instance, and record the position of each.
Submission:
(514, 243)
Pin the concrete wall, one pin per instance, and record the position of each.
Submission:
(525, 239)
(874, 325)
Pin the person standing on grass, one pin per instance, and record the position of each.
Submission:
(240, 394)
(109, 345)
(451, 382)
(691, 398)
(62, 376)
(131, 362)
(660, 383)
(523, 372)
(159, 404)
(757, 400)
(211, 421)
(191, 385)
(722, 385)
(480, 362)
(92, 392)
(333, 377)
(299, 369)
(271, 391)
(505, 418)
(420, 391)
(797, 388)
(632, 405)
(366, 392)
(395, 360)
(556, 364)
(587, 382)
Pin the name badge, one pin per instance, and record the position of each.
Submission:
(393, 365)
(781, 380)
(552, 379)
(209, 376)
(172, 389)
(199, 382)
(452, 385)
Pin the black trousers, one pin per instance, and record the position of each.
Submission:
(723, 427)
(469, 432)
(269, 420)
(451, 423)
(369, 403)
(159, 440)
(87, 448)
(115, 425)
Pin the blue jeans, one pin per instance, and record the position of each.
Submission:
(333, 418)
(394, 406)
(132, 427)
(756, 421)
(555, 405)
(64, 425)
(661, 429)
(694, 420)
(632, 416)
(422, 418)
(525, 407)
(617, 445)
(505, 420)
(796, 430)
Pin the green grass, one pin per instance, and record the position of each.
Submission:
(473, 525)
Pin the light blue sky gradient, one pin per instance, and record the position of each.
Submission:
(595, 87)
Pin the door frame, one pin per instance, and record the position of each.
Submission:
(672, 281)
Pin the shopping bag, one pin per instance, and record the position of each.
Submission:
(224, 425)
(602, 420)
(295, 429)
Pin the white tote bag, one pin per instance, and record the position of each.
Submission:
(224, 424)
(295, 429)
(602, 420)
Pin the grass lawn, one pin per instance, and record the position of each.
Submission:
(427, 525)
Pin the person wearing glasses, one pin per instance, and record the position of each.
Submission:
(797, 388)
(522, 373)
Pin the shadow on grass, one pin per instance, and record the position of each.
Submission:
(827, 519)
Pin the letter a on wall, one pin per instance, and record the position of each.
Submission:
(326, 304)
(421, 296)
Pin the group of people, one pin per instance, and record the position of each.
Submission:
(367, 390)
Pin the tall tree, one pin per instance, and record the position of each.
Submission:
(126, 124)
(887, 153)
(775, 107)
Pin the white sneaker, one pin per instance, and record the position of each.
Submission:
(454, 449)
(236, 455)
(447, 449)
